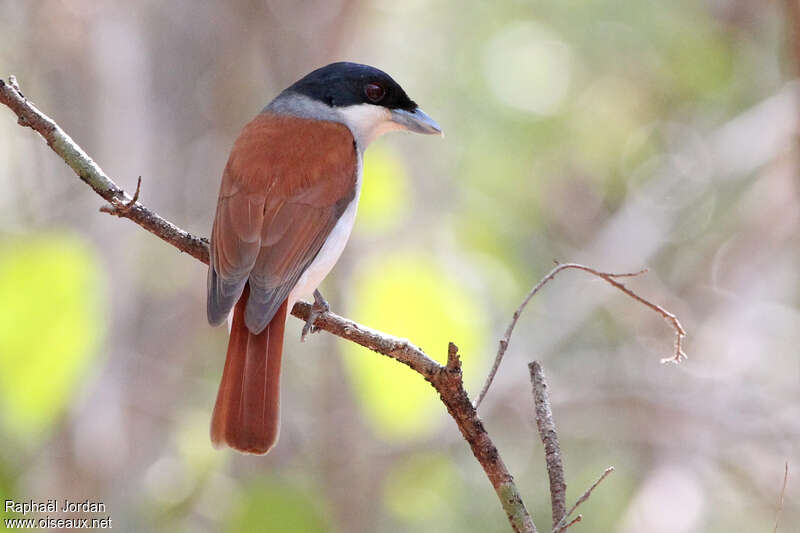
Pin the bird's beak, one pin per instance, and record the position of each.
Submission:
(417, 121)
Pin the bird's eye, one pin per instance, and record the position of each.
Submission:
(374, 92)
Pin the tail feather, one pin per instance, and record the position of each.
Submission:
(247, 413)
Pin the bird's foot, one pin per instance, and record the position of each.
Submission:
(318, 308)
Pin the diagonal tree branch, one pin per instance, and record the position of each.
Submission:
(91, 173)
(447, 379)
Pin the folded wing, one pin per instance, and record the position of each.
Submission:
(286, 183)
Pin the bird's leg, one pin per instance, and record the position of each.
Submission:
(318, 308)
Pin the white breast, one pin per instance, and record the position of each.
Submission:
(331, 250)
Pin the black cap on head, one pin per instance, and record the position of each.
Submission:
(344, 84)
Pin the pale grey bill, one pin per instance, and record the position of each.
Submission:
(417, 121)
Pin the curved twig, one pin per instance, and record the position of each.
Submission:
(611, 278)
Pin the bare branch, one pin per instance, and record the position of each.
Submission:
(585, 496)
(552, 450)
(447, 380)
(783, 494)
(611, 278)
(91, 173)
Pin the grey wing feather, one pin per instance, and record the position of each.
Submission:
(286, 253)
(240, 218)
(222, 296)
(263, 303)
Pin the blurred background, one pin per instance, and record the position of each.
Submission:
(619, 134)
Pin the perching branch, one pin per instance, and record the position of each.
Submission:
(552, 450)
(611, 278)
(447, 380)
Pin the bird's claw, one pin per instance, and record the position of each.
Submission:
(318, 308)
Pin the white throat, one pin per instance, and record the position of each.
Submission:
(367, 122)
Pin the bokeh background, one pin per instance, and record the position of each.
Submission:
(619, 134)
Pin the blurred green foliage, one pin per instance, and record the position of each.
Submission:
(50, 325)
(384, 194)
(190, 437)
(409, 293)
(422, 488)
(277, 507)
(7, 489)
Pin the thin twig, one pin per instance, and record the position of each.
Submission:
(447, 380)
(677, 357)
(783, 494)
(585, 496)
(120, 208)
(680, 333)
(572, 522)
(552, 450)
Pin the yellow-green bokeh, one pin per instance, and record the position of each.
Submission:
(277, 507)
(421, 488)
(410, 294)
(384, 193)
(50, 325)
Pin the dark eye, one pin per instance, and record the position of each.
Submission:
(374, 92)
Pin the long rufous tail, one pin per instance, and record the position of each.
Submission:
(247, 413)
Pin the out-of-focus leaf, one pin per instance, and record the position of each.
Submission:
(421, 488)
(50, 324)
(528, 67)
(621, 108)
(699, 59)
(410, 296)
(277, 508)
(192, 442)
(384, 194)
(6, 490)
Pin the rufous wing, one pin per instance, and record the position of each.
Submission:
(286, 183)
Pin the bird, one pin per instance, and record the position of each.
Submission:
(286, 207)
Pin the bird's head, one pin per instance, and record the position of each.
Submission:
(364, 98)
